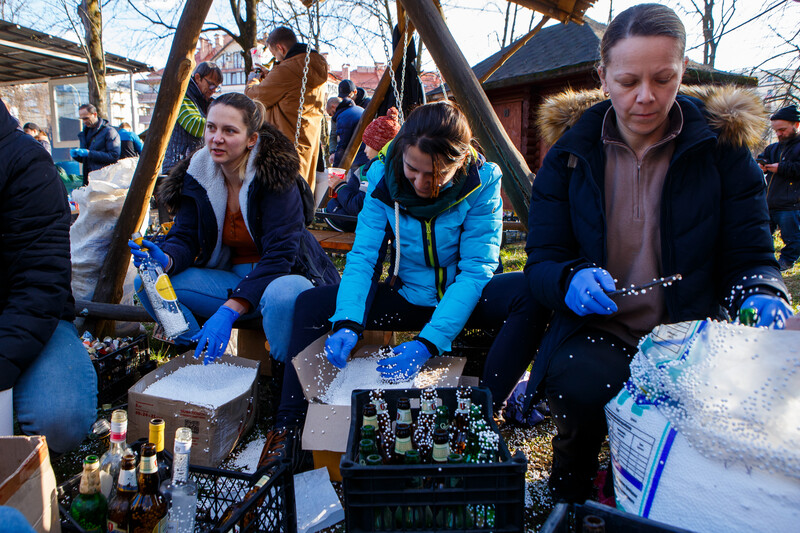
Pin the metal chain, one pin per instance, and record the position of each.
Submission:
(403, 70)
(304, 81)
(391, 74)
(441, 83)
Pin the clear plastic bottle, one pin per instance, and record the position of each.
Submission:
(161, 295)
(111, 460)
(180, 492)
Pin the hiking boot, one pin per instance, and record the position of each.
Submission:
(277, 448)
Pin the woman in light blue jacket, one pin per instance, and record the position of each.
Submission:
(438, 200)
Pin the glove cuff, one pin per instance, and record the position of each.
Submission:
(432, 349)
(233, 315)
(355, 327)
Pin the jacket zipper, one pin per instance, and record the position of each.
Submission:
(432, 260)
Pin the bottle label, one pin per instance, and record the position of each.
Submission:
(127, 479)
(113, 527)
(371, 421)
(401, 446)
(148, 465)
(164, 288)
(119, 431)
(440, 452)
(403, 416)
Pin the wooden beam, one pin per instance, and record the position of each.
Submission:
(377, 99)
(473, 101)
(513, 50)
(180, 64)
(574, 12)
(128, 313)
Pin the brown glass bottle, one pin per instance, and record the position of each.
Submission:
(460, 428)
(402, 443)
(120, 504)
(441, 446)
(370, 416)
(404, 412)
(149, 508)
(593, 524)
(157, 427)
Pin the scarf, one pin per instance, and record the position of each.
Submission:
(194, 94)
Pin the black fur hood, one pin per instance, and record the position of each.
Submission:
(275, 163)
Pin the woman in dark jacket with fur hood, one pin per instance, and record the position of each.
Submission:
(239, 245)
(645, 185)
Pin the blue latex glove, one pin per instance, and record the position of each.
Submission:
(772, 311)
(586, 294)
(215, 334)
(140, 253)
(408, 359)
(339, 345)
(78, 152)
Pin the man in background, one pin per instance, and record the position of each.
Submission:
(131, 143)
(100, 145)
(187, 135)
(280, 90)
(781, 162)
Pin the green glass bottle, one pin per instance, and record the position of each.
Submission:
(366, 447)
(748, 316)
(90, 508)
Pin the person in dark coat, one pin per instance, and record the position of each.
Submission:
(781, 162)
(131, 143)
(33, 129)
(361, 99)
(239, 246)
(100, 144)
(345, 119)
(698, 209)
(40, 350)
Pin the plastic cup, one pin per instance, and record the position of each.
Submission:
(335, 172)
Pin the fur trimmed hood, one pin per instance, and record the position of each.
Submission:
(736, 114)
(275, 164)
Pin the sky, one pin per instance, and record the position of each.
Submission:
(477, 26)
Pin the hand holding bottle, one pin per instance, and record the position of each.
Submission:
(408, 359)
(771, 311)
(215, 334)
(140, 253)
(587, 292)
(339, 345)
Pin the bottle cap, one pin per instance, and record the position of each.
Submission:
(157, 433)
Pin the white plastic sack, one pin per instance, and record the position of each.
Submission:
(100, 204)
(706, 434)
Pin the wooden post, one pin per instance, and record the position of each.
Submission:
(473, 101)
(174, 82)
(377, 99)
(513, 50)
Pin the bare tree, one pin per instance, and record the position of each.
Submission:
(92, 20)
(715, 15)
(10, 10)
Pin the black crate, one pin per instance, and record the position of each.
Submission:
(568, 518)
(452, 497)
(118, 370)
(272, 509)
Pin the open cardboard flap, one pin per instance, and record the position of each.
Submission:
(327, 426)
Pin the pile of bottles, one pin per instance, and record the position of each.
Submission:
(104, 346)
(433, 439)
(160, 498)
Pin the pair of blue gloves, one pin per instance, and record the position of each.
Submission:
(213, 337)
(78, 152)
(586, 295)
(408, 359)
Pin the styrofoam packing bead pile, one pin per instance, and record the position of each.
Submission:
(247, 459)
(207, 385)
(362, 373)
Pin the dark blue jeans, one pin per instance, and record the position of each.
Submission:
(789, 224)
(505, 304)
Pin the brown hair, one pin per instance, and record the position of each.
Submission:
(643, 20)
(438, 129)
(282, 35)
(253, 113)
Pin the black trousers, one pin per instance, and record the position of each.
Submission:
(585, 372)
(505, 304)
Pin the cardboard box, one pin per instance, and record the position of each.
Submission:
(331, 423)
(27, 482)
(215, 432)
(252, 344)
